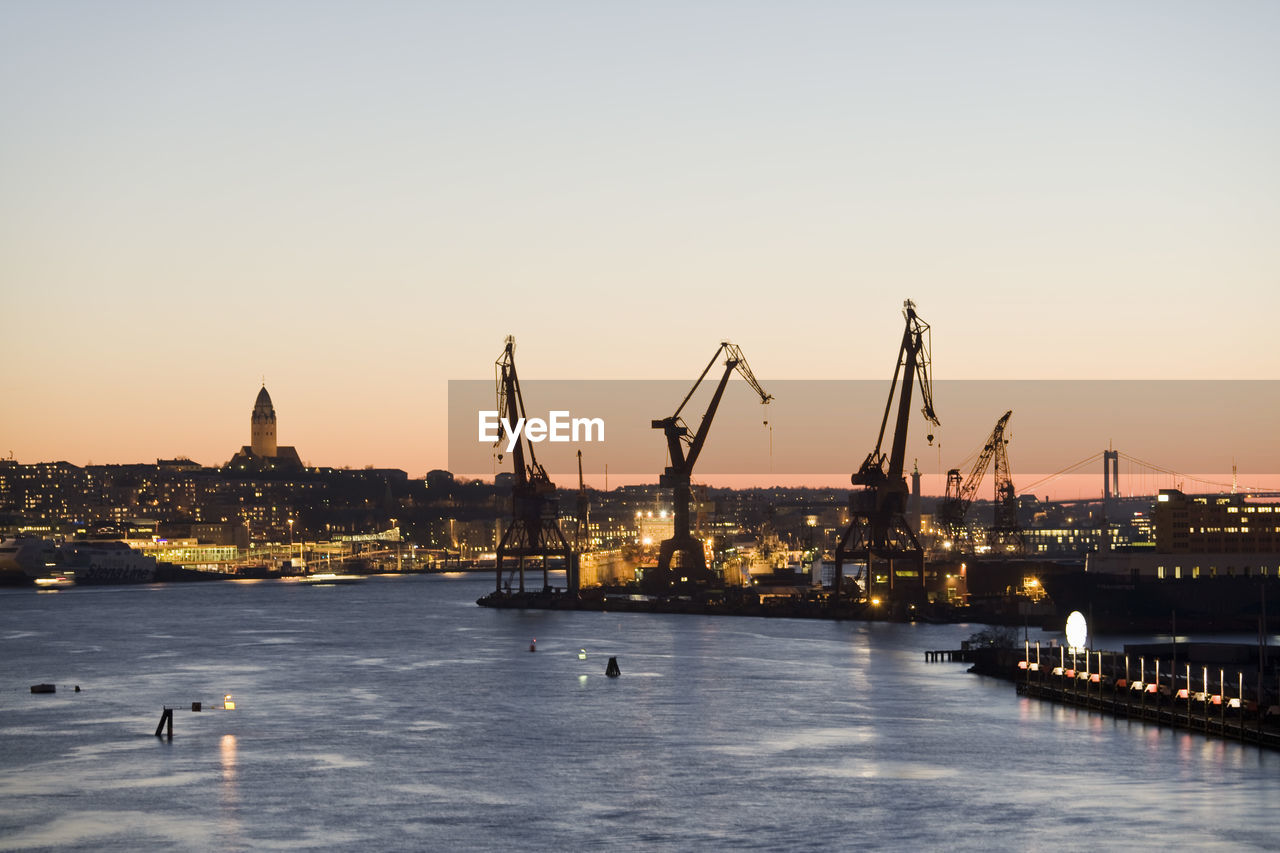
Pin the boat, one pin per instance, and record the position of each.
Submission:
(328, 578)
(53, 583)
(103, 561)
(24, 558)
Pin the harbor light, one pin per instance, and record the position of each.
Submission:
(227, 703)
(1077, 630)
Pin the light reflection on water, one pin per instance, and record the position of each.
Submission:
(396, 715)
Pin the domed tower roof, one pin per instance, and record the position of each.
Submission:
(264, 399)
(262, 429)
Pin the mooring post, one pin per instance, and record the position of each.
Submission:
(166, 719)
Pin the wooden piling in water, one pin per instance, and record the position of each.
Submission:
(166, 720)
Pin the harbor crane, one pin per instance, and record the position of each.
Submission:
(682, 549)
(959, 496)
(878, 531)
(1005, 534)
(534, 530)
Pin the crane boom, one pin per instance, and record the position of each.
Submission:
(510, 409)
(914, 361)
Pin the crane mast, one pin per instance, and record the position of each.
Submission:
(682, 551)
(534, 529)
(583, 516)
(878, 531)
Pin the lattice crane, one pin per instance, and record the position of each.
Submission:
(959, 496)
(534, 530)
(1005, 534)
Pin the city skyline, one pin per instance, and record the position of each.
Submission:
(745, 457)
(356, 206)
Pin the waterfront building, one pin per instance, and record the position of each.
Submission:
(1202, 536)
(1223, 523)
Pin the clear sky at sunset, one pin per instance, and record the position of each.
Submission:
(359, 201)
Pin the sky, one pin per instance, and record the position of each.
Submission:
(358, 202)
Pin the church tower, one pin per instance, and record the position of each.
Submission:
(262, 433)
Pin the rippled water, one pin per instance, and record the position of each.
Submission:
(394, 714)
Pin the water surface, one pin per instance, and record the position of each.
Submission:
(394, 714)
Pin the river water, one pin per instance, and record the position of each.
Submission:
(394, 714)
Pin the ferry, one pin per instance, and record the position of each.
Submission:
(102, 561)
(24, 558)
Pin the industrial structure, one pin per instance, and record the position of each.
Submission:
(534, 529)
(1005, 534)
(879, 535)
(681, 559)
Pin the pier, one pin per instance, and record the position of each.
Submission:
(1231, 699)
(1218, 720)
(949, 656)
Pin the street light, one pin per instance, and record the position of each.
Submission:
(291, 543)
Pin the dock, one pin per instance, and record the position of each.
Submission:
(1188, 714)
(1219, 701)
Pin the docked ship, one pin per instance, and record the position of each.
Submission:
(93, 561)
(24, 558)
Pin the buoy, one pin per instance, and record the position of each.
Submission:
(77, 688)
(582, 654)
(612, 669)
(533, 644)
